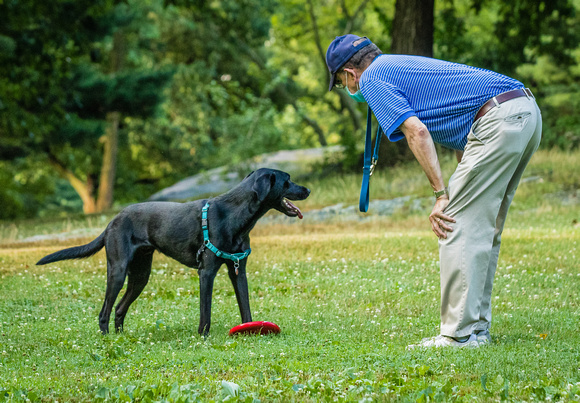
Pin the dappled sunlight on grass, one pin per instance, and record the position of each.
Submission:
(349, 294)
(348, 297)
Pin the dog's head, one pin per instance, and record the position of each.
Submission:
(274, 189)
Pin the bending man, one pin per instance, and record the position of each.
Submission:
(494, 125)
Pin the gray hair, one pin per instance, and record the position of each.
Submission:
(362, 58)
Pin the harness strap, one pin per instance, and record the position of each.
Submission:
(369, 162)
(235, 257)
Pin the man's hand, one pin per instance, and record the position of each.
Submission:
(439, 219)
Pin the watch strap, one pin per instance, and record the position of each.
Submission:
(439, 193)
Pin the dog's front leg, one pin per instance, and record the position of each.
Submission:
(240, 283)
(207, 274)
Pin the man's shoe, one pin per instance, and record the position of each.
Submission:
(444, 341)
(483, 337)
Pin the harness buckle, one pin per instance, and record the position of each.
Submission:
(199, 253)
(204, 222)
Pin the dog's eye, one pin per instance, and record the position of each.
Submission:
(286, 185)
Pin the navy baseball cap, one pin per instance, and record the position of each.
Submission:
(340, 51)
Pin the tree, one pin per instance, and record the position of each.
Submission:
(533, 41)
(524, 25)
(87, 91)
(63, 96)
(412, 31)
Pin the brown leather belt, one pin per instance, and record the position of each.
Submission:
(501, 98)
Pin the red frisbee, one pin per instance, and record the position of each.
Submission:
(259, 327)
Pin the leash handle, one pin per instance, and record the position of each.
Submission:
(369, 162)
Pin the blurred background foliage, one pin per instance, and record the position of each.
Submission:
(171, 88)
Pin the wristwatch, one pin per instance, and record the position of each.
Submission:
(439, 193)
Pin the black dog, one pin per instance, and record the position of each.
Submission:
(175, 229)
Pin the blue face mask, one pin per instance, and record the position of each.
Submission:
(357, 96)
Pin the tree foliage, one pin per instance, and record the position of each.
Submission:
(60, 81)
(198, 84)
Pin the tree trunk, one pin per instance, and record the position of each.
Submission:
(412, 34)
(109, 167)
(84, 189)
(111, 137)
(413, 28)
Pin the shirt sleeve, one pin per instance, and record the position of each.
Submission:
(389, 104)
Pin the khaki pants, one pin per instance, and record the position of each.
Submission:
(499, 146)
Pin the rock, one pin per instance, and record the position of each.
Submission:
(532, 179)
(65, 236)
(340, 212)
(220, 180)
(565, 198)
(388, 207)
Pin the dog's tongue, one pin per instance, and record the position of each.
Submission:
(292, 207)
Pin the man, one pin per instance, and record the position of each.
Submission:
(493, 124)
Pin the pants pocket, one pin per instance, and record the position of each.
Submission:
(517, 121)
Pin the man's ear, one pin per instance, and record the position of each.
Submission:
(262, 186)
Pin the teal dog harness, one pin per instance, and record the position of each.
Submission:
(235, 257)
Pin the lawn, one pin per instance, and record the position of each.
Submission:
(348, 296)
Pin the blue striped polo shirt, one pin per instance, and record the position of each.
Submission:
(445, 96)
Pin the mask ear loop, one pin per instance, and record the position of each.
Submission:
(346, 83)
(357, 84)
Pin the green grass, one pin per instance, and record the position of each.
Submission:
(348, 297)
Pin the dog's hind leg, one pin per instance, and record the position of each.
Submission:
(240, 283)
(138, 277)
(119, 253)
(116, 272)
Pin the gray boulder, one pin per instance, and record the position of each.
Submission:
(221, 179)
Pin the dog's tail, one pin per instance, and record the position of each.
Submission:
(76, 252)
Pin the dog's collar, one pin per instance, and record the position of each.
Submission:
(235, 257)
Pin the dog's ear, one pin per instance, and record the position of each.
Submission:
(262, 186)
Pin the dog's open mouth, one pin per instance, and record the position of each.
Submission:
(290, 209)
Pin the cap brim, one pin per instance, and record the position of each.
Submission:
(332, 81)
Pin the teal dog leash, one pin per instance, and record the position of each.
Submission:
(369, 162)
